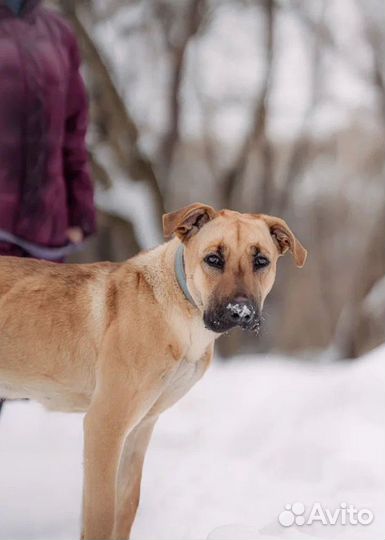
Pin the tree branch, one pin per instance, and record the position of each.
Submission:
(119, 127)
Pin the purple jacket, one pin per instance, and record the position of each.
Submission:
(45, 186)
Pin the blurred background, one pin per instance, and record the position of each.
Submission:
(274, 106)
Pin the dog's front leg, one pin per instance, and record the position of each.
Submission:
(106, 425)
(103, 442)
(129, 477)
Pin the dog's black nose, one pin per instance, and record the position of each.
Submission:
(236, 311)
(241, 312)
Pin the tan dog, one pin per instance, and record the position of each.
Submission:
(123, 342)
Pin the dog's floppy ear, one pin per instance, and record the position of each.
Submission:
(187, 221)
(285, 239)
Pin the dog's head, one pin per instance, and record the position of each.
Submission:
(230, 261)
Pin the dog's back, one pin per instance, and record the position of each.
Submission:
(47, 320)
(15, 270)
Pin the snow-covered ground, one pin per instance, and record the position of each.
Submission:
(256, 434)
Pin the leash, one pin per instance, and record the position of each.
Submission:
(40, 252)
(180, 273)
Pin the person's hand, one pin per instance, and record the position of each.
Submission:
(75, 235)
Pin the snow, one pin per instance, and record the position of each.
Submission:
(374, 302)
(129, 199)
(255, 434)
(240, 309)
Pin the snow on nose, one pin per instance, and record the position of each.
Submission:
(240, 310)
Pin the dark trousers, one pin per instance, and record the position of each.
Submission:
(12, 250)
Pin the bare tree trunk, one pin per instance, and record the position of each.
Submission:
(373, 36)
(178, 55)
(111, 113)
(353, 328)
(257, 138)
(267, 151)
(350, 337)
(302, 147)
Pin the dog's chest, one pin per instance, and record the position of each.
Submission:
(195, 350)
(193, 338)
(195, 342)
(180, 382)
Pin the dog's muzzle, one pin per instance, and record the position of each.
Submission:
(237, 312)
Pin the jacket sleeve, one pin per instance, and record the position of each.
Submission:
(80, 192)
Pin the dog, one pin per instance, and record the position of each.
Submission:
(123, 342)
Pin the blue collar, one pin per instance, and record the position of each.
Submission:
(181, 273)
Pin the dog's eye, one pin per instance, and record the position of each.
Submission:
(214, 260)
(260, 261)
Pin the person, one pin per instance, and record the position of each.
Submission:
(46, 193)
